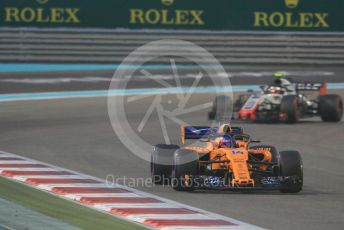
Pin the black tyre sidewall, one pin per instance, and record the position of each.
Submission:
(185, 163)
(162, 162)
(240, 102)
(290, 164)
(331, 108)
(222, 108)
(290, 106)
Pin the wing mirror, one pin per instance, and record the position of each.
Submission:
(255, 140)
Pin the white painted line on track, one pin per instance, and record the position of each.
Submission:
(24, 178)
(108, 207)
(14, 162)
(170, 216)
(26, 169)
(200, 228)
(49, 187)
(78, 196)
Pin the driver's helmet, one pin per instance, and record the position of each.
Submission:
(281, 79)
(275, 90)
(226, 142)
(280, 74)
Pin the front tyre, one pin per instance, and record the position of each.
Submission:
(291, 170)
(185, 164)
(331, 108)
(161, 162)
(290, 107)
(240, 102)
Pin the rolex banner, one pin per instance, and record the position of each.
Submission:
(228, 15)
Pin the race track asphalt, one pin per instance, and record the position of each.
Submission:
(77, 134)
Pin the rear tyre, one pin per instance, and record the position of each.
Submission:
(222, 109)
(290, 107)
(290, 164)
(331, 108)
(241, 101)
(161, 162)
(185, 163)
(211, 115)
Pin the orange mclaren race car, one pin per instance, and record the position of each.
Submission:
(223, 158)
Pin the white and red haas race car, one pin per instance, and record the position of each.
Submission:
(285, 101)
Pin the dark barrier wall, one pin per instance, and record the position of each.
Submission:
(228, 15)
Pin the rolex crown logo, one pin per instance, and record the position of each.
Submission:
(167, 2)
(292, 3)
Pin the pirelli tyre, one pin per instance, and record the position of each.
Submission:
(161, 162)
(222, 109)
(185, 164)
(290, 107)
(291, 170)
(240, 102)
(331, 108)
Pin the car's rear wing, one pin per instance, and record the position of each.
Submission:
(199, 132)
(320, 87)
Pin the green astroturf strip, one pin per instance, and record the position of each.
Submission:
(68, 212)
